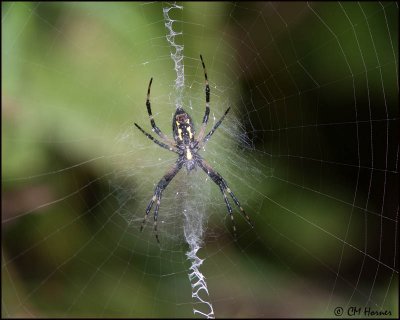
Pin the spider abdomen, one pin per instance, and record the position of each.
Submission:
(182, 127)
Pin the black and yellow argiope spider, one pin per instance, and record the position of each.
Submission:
(187, 146)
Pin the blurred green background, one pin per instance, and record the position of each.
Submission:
(310, 148)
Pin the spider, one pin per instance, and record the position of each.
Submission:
(186, 145)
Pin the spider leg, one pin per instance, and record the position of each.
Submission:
(161, 144)
(153, 123)
(162, 184)
(228, 205)
(207, 112)
(217, 178)
(208, 136)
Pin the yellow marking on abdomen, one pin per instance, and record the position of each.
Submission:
(179, 131)
(190, 132)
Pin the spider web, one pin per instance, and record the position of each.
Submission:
(310, 148)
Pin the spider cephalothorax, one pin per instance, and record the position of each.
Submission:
(186, 145)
